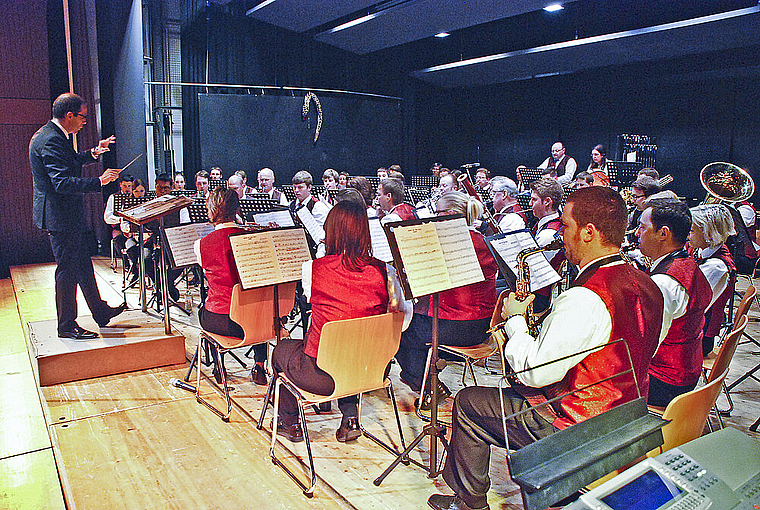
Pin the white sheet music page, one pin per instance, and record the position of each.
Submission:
(459, 252)
(291, 250)
(281, 218)
(181, 240)
(315, 230)
(380, 247)
(255, 259)
(424, 264)
(509, 246)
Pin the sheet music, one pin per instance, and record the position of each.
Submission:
(181, 240)
(380, 247)
(155, 208)
(424, 212)
(281, 218)
(315, 230)
(459, 252)
(510, 245)
(269, 257)
(424, 263)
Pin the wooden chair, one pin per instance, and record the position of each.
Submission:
(254, 311)
(741, 310)
(717, 363)
(355, 352)
(688, 414)
(472, 353)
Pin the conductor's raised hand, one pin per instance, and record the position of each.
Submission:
(513, 306)
(103, 146)
(110, 175)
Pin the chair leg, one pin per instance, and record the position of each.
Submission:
(224, 393)
(472, 371)
(376, 439)
(270, 389)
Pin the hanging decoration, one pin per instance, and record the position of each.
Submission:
(311, 96)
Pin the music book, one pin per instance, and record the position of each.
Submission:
(505, 248)
(315, 230)
(433, 254)
(156, 208)
(269, 257)
(380, 247)
(180, 241)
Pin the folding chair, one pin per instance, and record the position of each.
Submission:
(716, 363)
(355, 352)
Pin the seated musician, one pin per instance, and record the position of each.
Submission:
(179, 181)
(302, 183)
(563, 165)
(201, 185)
(266, 185)
(464, 313)
(235, 183)
(677, 364)
(598, 166)
(583, 180)
(130, 231)
(390, 195)
(482, 179)
(641, 189)
(711, 225)
(346, 283)
(545, 199)
(593, 313)
(110, 217)
(507, 210)
(214, 253)
(343, 180)
(363, 186)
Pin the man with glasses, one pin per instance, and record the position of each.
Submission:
(505, 205)
(266, 185)
(59, 208)
(564, 165)
(642, 188)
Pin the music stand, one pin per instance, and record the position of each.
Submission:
(289, 193)
(145, 213)
(318, 190)
(526, 176)
(374, 181)
(422, 254)
(333, 195)
(198, 213)
(257, 203)
(215, 183)
(421, 181)
(623, 173)
(417, 195)
(124, 202)
(524, 200)
(183, 192)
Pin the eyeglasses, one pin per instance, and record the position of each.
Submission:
(638, 196)
(80, 115)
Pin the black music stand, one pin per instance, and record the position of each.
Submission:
(215, 183)
(409, 263)
(422, 181)
(122, 203)
(197, 211)
(183, 192)
(526, 176)
(623, 173)
(416, 195)
(258, 203)
(524, 200)
(333, 195)
(289, 193)
(374, 181)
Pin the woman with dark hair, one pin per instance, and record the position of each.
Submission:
(598, 166)
(464, 313)
(346, 283)
(214, 253)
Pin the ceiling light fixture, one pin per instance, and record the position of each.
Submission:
(553, 8)
(352, 23)
(259, 6)
(441, 35)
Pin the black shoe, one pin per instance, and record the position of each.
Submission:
(259, 375)
(443, 502)
(78, 333)
(443, 394)
(348, 430)
(292, 433)
(110, 314)
(173, 293)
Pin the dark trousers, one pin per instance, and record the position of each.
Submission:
(413, 350)
(661, 393)
(74, 267)
(221, 324)
(477, 425)
(289, 358)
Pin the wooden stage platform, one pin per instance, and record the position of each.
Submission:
(133, 441)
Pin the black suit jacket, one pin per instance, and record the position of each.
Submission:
(58, 181)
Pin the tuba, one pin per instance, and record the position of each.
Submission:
(725, 182)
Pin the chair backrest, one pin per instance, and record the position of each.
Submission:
(356, 352)
(727, 350)
(688, 414)
(744, 304)
(253, 309)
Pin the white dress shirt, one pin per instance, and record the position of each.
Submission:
(545, 236)
(675, 298)
(319, 211)
(510, 221)
(570, 167)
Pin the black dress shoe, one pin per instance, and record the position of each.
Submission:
(173, 293)
(259, 375)
(78, 333)
(292, 433)
(349, 430)
(111, 312)
(444, 502)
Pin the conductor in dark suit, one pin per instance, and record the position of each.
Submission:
(59, 208)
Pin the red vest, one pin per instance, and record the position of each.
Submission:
(219, 267)
(514, 208)
(405, 211)
(474, 301)
(635, 306)
(715, 313)
(337, 294)
(678, 360)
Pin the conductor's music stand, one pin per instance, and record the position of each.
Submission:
(623, 173)
(426, 267)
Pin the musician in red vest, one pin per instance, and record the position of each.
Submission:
(609, 300)
(564, 166)
(464, 313)
(346, 283)
(390, 195)
(545, 198)
(675, 369)
(214, 253)
(711, 224)
(507, 210)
